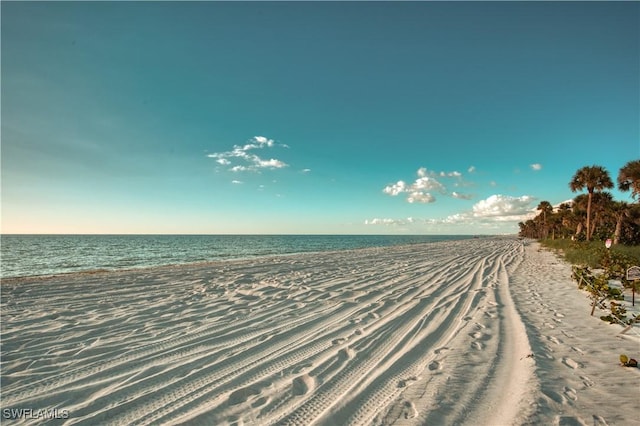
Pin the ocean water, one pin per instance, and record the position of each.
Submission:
(34, 255)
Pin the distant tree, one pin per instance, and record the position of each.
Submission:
(621, 211)
(565, 216)
(579, 214)
(629, 178)
(529, 229)
(602, 216)
(554, 224)
(545, 209)
(631, 232)
(592, 178)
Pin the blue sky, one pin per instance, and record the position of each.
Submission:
(309, 117)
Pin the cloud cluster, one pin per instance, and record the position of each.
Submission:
(503, 207)
(428, 182)
(494, 209)
(536, 167)
(241, 158)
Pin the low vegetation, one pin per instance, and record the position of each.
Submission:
(577, 231)
(594, 253)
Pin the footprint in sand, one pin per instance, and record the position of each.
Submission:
(260, 402)
(569, 421)
(580, 351)
(547, 353)
(587, 381)
(599, 421)
(555, 396)
(241, 395)
(569, 335)
(570, 393)
(554, 340)
(406, 382)
(437, 351)
(435, 365)
(303, 384)
(476, 334)
(409, 411)
(570, 363)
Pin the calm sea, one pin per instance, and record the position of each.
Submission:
(32, 255)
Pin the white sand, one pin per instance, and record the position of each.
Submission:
(476, 332)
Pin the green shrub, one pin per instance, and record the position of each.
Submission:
(594, 253)
(614, 262)
(618, 314)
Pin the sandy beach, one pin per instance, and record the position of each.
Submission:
(488, 331)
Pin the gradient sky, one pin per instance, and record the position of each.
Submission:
(300, 117)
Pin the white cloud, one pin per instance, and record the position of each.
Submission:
(387, 221)
(273, 163)
(471, 169)
(236, 182)
(536, 167)
(420, 197)
(503, 206)
(249, 161)
(423, 188)
(460, 196)
(396, 188)
(496, 211)
(263, 141)
(429, 184)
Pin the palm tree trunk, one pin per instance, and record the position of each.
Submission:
(618, 232)
(589, 215)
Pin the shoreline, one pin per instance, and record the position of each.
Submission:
(461, 331)
(215, 262)
(216, 250)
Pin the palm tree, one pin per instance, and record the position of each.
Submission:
(629, 178)
(602, 215)
(579, 210)
(620, 211)
(593, 178)
(565, 216)
(546, 208)
(528, 229)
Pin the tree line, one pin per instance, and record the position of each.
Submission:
(594, 215)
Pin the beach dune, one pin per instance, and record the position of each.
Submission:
(486, 331)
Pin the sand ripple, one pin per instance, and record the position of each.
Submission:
(406, 335)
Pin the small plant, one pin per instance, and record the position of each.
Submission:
(615, 293)
(616, 265)
(599, 290)
(618, 314)
(582, 275)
